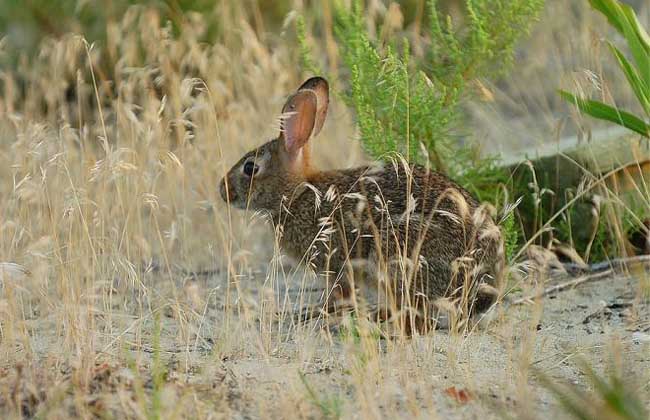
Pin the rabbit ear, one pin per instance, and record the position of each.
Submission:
(322, 90)
(298, 116)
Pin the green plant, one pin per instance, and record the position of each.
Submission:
(158, 371)
(637, 73)
(152, 406)
(560, 205)
(397, 107)
(330, 407)
(511, 235)
(611, 398)
(485, 47)
(624, 20)
(412, 104)
(585, 229)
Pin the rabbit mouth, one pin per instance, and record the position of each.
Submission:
(228, 193)
(230, 196)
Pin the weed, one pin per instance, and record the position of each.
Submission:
(330, 407)
(611, 398)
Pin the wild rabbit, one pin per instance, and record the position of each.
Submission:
(421, 234)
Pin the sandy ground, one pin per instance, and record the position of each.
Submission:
(592, 322)
(241, 363)
(77, 341)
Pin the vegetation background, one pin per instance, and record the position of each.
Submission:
(129, 289)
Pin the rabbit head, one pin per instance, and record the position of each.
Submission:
(264, 175)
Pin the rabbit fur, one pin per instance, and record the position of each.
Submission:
(420, 233)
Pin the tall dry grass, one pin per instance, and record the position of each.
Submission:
(146, 295)
(111, 201)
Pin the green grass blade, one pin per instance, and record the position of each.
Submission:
(640, 48)
(571, 398)
(618, 397)
(623, 18)
(608, 113)
(640, 32)
(611, 10)
(639, 85)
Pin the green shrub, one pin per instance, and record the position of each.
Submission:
(411, 104)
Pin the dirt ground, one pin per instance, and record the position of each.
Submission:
(234, 360)
(597, 322)
(94, 332)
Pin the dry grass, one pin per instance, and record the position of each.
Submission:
(110, 201)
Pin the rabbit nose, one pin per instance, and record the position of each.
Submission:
(228, 194)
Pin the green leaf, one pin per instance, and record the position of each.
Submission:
(639, 86)
(640, 50)
(611, 10)
(623, 18)
(608, 113)
(635, 25)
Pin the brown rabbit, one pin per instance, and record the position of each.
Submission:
(424, 233)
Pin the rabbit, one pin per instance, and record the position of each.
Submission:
(427, 234)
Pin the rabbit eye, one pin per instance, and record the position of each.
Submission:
(250, 168)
